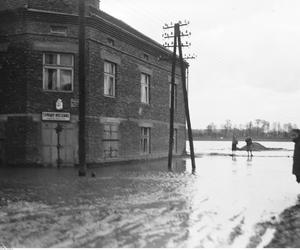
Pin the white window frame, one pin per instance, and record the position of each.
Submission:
(145, 143)
(111, 138)
(110, 75)
(58, 68)
(145, 88)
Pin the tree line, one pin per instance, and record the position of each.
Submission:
(257, 129)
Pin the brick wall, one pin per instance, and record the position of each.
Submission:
(12, 4)
(23, 92)
(13, 79)
(68, 6)
(15, 143)
(127, 104)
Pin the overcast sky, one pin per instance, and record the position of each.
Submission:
(248, 54)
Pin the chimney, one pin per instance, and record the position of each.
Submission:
(93, 3)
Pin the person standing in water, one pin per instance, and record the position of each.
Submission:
(249, 146)
(295, 136)
(234, 145)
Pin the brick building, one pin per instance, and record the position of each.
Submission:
(127, 87)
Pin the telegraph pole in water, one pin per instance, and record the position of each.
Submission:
(177, 38)
(82, 98)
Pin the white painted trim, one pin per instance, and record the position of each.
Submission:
(145, 70)
(105, 55)
(110, 120)
(63, 47)
(145, 124)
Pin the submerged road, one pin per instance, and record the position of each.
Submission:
(225, 203)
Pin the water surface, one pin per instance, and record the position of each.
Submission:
(227, 202)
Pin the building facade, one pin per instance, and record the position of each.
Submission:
(127, 87)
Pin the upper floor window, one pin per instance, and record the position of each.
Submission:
(58, 72)
(109, 79)
(111, 42)
(146, 57)
(145, 88)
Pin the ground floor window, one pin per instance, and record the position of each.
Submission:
(111, 141)
(145, 140)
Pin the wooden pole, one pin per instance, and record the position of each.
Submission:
(171, 134)
(186, 102)
(58, 130)
(82, 98)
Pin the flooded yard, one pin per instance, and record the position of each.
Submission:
(227, 202)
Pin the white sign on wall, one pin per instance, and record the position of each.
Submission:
(56, 116)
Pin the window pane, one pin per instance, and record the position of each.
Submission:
(143, 78)
(111, 86)
(106, 85)
(107, 128)
(110, 143)
(113, 69)
(66, 60)
(145, 88)
(106, 67)
(106, 145)
(146, 95)
(114, 136)
(66, 80)
(106, 135)
(143, 94)
(51, 79)
(51, 59)
(114, 128)
(109, 68)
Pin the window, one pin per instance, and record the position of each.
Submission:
(175, 96)
(111, 141)
(58, 72)
(146, 57)
(145, 88)
(109, 79)
(145, 140)
(62, 30)
(110, 42)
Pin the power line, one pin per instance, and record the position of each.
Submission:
(176, 35)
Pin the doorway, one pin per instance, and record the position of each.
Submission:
(68, 141)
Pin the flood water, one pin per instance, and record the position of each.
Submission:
(226, 202)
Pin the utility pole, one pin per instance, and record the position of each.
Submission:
(171, 134)
(82, 97)
(177, 34)
(58, 130)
